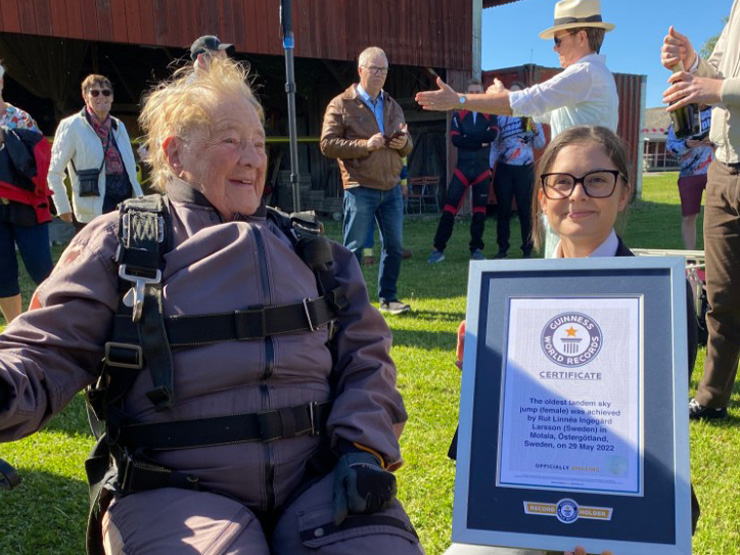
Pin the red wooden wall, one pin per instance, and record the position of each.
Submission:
(434, 33)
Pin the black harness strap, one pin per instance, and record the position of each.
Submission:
(309, 418)
(240, 325)
(144, 229)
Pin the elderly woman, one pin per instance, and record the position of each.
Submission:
(249, 398)
(95, 149)
(24, 203)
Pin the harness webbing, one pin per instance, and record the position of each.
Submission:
(142, 336)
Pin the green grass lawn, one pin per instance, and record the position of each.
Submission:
(47, 514)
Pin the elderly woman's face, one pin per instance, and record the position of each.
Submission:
(227, 162)
(99, 98)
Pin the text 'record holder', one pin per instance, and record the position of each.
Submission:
(573, 411)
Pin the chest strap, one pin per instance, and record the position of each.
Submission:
(240, 325)
(289, 422)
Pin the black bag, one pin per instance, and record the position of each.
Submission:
(89, 180)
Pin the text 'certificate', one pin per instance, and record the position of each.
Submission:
(571, 415)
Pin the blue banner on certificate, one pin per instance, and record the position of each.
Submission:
(571, 414)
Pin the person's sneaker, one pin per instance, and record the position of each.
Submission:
(436, 256)
(500, 255)
(394, 307)
(700, 412)
(477, 255)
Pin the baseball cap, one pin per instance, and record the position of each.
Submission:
(206, 43)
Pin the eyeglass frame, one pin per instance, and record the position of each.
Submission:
(97, 92)
(559, 39)
(375, 70)
(582, 180)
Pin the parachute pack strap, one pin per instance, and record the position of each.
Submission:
(98, 470)
(144, 237)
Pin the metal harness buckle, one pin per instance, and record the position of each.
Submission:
(308, 315)
(312, 418)
(134, 298)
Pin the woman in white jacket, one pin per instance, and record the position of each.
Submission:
(95, 149)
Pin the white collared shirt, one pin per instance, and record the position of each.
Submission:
(584, 93)
(606, 249)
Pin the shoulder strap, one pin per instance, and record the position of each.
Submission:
(305, 232)
(144, 238)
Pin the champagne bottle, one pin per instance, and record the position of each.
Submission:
(686, 119)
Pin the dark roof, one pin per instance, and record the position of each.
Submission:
(494, 3)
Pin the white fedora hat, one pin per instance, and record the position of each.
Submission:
(573, 14)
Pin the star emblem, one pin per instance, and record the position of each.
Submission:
(571, 331)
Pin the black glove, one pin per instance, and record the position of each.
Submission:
(361, 486)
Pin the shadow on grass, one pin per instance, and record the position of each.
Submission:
(432, 316)
(72, 420)
(420, 339)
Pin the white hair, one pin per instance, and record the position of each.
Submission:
(369, 53)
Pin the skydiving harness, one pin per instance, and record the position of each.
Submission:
(142, 335)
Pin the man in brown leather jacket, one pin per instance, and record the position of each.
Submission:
(365, 130)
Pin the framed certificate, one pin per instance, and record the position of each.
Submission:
(573, 413)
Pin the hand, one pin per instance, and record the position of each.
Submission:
(496, 87)
(404, 191)
(686, 88)
(400, 141)
(375, 142)
(361, 486)
(676, 48)
(693, 143)
(443, 99)
(580, 551)
(66, 217)
(459, 350)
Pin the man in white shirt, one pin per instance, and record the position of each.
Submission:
(583, 94)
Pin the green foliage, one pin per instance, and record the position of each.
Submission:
(47, 514)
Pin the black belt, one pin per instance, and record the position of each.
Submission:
(306, 419)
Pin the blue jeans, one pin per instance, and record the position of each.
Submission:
(33, 245)
(361, 205)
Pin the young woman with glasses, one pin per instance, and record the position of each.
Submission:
(583, 184)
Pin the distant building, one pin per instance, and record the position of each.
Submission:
(655, 133)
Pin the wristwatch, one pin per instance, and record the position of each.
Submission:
(462, 99)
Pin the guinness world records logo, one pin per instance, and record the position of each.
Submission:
(571, 339)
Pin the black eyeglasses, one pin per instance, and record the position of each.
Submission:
(559, 39)
(596, 184)
(104, 92)
(375, 70)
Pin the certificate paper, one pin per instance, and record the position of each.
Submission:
(571, 415)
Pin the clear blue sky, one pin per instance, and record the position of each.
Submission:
(510, 34)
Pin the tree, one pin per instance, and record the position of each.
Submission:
(706, 50)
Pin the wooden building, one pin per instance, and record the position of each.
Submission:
(48, 46)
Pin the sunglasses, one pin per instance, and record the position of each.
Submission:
(559, 39)
(104, 92)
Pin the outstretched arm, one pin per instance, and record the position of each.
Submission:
(445, 98)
